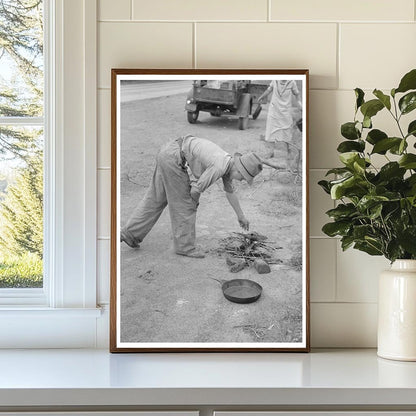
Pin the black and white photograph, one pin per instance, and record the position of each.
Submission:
(209, 232)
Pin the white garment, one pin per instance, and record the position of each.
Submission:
(279, 115)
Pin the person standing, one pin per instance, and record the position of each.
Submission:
(279, 124)
(171, 186)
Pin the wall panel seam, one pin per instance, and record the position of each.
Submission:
(317, 21)
(354, 22)
(194, 42)
(338, 55)
(340, 303)
(190, 21)
(310, 90)
(269, 10)
(334, 253)
(254, 21)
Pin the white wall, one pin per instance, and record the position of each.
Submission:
(345, 44)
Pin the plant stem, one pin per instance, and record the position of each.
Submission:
(397, 118)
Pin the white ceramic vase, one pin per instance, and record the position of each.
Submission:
(397, 312)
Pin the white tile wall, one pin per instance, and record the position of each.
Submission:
(341, 10)
(345, 44)
(114, 10)
(104, 202)
(200, 10)
(271, 45)
(339, 325)
(387, 52)
(142, 45)
(103, 271)
(323, 269)
(357, 275)
(104, 128)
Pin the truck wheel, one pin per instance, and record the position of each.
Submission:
(192, 116)
(242, 123)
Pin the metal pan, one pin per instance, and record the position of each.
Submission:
(241, 290)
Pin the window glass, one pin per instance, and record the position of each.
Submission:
(21, 143)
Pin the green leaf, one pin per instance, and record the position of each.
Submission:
(342, 211)
(325, 186)
(340, 180)
(411, 130)
(408, 82)
(385, 99)
(368, 201)
(367, 122)
(359, 95)
(349, 131)
(368, 248)
(346, 242)
(402, 147)
(375, 211)
(340, 189)
(407, 240)
(411, 183)
(336, 228)
(349, 146)
(393, 250)
(348, 158)
(338, 171)
(371, 108)
(359, 165)
(391, 170)
(361, 231)
(408, 161)
(393, 92)
(408, 102)
(383, 145)
(375, 135)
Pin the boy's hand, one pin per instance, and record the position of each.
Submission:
(244, 224)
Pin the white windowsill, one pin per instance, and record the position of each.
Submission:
(323, 378)
(36, 312)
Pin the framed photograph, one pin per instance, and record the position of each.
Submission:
(209, 211)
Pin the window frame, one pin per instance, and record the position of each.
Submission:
(38, 296)
(69, 292)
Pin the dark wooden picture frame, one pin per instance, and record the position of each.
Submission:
(212, 121)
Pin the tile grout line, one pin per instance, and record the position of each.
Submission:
(194, 62)
(336, 271)
(306, 22)
(310, 89)
(344, 303)
(338, 63)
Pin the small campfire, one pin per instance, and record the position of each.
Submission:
(246, 249)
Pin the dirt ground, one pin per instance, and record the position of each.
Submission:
(170, 298)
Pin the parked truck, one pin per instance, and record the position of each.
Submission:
(217, 97)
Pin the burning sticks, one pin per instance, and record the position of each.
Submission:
(246, 249)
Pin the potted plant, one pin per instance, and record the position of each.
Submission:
(376, 206)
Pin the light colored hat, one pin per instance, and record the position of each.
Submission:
(249, 165)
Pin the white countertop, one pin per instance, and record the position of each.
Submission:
(96, 377)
